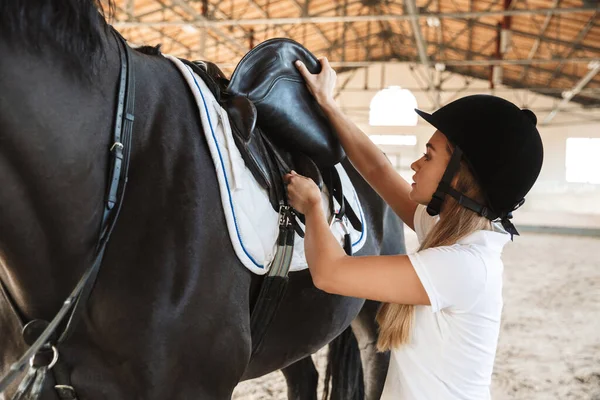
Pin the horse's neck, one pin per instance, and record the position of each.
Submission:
(54, 132)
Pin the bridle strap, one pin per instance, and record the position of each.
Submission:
(121, 150)
(120, 154)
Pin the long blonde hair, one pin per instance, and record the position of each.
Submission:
(395, 320)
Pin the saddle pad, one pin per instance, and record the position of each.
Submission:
(251, 221)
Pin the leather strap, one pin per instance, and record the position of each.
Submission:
(74, 305)
(435, 205)
(120, 153)
(274, 285)
(346, 210)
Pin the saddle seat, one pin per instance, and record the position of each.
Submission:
(286, 111)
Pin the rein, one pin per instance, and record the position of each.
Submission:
(41, 335)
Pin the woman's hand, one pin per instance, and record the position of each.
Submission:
(322, 84)
(303, 193)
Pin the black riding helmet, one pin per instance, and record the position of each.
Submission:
(501, 145)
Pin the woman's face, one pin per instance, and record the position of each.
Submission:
(429, 169)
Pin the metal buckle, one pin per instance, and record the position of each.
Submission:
(343, 222)
(118, 145)
(66, 391)
(285, 216)
(52, 363)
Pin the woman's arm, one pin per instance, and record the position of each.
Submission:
(390, 279)
(370, 162)
(383, 278)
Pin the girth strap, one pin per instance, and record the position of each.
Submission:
(74, 306)
(275, 283)
(345, 209)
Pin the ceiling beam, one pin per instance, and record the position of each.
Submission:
(536, 110)
(479, 89)
(129, 11)
(580, 37)
(411, 8)
(544, 39)
(202, 22)
(537, 42)
(304, 12)
(568, 95)
(465, 63)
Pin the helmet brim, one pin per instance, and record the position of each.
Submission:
(428, 117)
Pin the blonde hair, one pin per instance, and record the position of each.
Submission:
(395, 320)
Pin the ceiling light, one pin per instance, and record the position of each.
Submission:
(433, 22)
(189, 29)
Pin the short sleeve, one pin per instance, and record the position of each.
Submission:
(453, 276)
(423, 222)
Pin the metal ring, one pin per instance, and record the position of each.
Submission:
(52, 363)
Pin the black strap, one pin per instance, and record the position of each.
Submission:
(334, 183)
(346, 208)
(337, 193)
(281, 168)
(435, 205)
(120, 153)
(468, 202)
(274, 285)
(483, 210)
(62, 378)
(445, 187)
(76, 302)
(352, 217)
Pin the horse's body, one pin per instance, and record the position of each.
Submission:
(169, 315)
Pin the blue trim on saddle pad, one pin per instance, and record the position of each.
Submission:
(229, 196)
(237, 231)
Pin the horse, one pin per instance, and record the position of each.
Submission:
(169, 314)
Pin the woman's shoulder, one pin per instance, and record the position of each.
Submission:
(487, 241)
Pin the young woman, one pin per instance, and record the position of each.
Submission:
(442, 304)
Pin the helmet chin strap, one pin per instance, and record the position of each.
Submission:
(435, 205)
(445, 188)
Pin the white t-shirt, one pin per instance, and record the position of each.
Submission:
(453, 342)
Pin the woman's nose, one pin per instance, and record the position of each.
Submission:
(414, 165)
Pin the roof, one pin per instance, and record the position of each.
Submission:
(547, 46)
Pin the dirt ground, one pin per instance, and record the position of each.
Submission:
(550, 339)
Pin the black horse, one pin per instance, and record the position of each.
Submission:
(169, 315)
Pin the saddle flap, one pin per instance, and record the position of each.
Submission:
(242, 115)
(306, 167)
(287, 112)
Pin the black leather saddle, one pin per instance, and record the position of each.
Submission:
(287, 112)
(276, 122)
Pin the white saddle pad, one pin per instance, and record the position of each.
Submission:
(251, 221)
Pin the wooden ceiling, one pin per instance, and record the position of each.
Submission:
(549, 46)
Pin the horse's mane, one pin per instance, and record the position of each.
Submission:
(72, 27)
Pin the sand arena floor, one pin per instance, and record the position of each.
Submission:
(550, 339)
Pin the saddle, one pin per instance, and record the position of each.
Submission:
(276, 122)
(278, 126)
